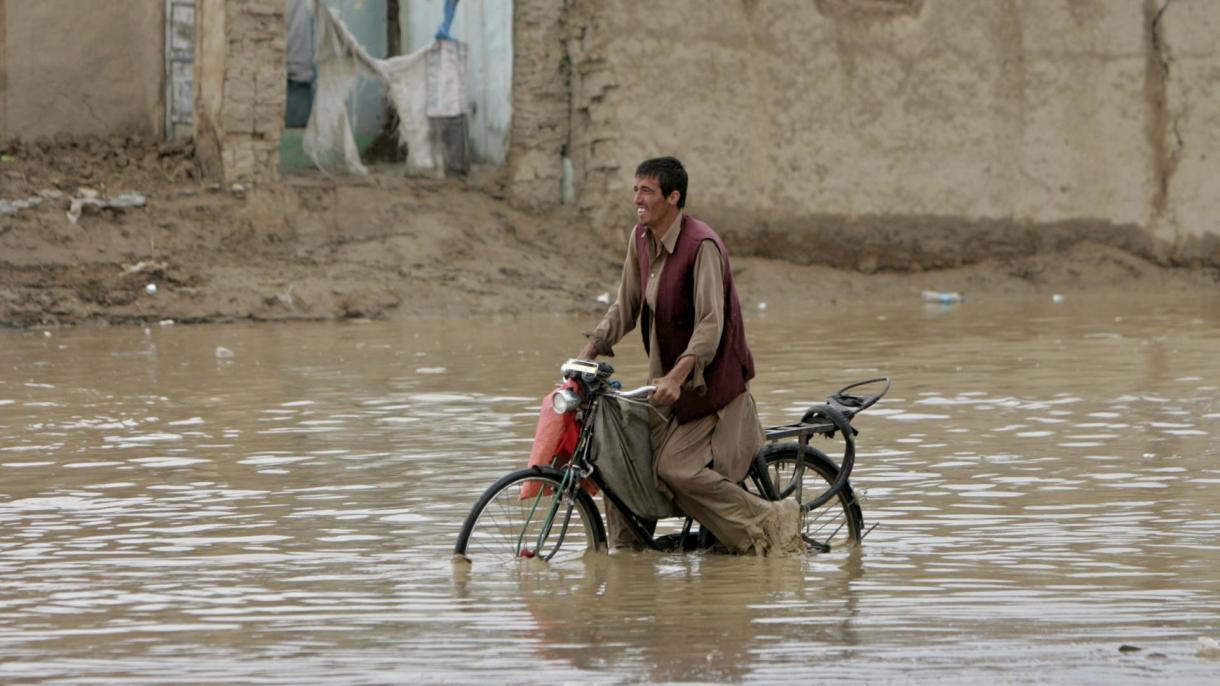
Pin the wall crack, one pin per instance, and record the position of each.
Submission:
(1166, 132)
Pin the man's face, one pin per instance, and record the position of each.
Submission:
(651, 207)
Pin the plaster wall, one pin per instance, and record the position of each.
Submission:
(923, 123)
(81, 67)
(1186, 33)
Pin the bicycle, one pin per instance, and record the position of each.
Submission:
(548, 512)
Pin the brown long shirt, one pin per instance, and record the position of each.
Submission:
(736, 434)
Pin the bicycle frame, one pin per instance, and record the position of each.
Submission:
(591, 381)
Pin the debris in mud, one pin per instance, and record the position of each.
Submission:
(88, 199)
(1208, 648)
(143, 267)
(1127, 648)
(118, 161)
(11, 207)
(942, 297)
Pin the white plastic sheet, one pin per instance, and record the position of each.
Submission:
(427, 83)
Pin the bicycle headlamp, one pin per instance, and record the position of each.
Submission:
(565, 400)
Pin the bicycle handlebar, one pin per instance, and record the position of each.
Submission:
(641, 392)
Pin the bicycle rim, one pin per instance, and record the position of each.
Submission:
(527, 515)
(836, 523)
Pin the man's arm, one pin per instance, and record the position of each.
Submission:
(621, 316)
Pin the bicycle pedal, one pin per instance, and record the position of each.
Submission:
(815, 545)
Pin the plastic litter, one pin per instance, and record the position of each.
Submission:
(143, 266)
(151, 289)
(1058, 298)
(425, 85)
(942, 297)
(442, 31)
(604, 298)
(87, 197)
(11, 207)
(125, 200)
(223, 353)
(1208, 647)
(762, 306)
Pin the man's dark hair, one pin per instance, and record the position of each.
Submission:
(668, 172)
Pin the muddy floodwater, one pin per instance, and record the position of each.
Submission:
(277, 504)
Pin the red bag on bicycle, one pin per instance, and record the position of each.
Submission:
(555, 439)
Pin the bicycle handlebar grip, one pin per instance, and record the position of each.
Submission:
(641, 392)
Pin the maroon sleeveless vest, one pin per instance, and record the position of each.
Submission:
(733, 365)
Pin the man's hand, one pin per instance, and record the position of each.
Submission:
(589, 352)
(668, 391)
(669, 387)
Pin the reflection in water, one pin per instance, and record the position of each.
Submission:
(1043, 476)
(619, 614)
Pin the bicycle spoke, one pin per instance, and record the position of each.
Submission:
(554, 523)
(834, 522)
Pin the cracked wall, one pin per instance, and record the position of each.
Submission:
(67, 67)
(1187, 130)
(943, 126)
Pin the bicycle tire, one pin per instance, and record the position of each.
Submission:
(837, 522)
(502, 526)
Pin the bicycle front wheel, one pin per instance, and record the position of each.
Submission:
(529, 514)
(840, 520)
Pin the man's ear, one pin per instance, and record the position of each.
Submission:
(673, 198)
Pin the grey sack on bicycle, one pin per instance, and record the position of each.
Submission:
(622, 451)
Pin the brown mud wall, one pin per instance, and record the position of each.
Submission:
(81, 67)
(240, 77)
(540, 104)
(887, 134)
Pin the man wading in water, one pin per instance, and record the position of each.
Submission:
(678, 283)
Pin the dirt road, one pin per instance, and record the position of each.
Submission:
(310, 247)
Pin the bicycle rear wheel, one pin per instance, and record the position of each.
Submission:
(836, 523)
(527, 514)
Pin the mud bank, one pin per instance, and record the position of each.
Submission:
(310, 247)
